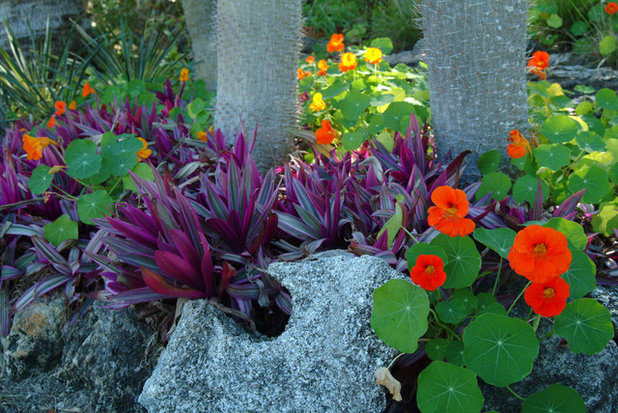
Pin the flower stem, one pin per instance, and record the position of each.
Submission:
(515, 394)
(435, 316)
(410, 235)
(493, 292)
(517, 298)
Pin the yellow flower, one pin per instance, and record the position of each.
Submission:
(143, 153)
(373, 55)
(348, 62)
(34, 146)
(184, 74)
(203, 136)
(317, 104)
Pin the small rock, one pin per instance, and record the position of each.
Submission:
(324, 360)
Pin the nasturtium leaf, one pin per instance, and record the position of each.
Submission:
(146, 98)
(136, 87)
(501, 350)
(553, 157)
(399, 315)
(105, 171)
(385, 44)
(111, 93)
(572, 230)
(422, 248)
(82, 159)
(353, 140)
(354, 104)
(143, 171)
(376, 124)
(358, 85)
(60, 230)
(40, 180)
(606, 220)
(464, 260)
(455, 353)
(607, 99)
(489, 162)
(585, 89)
(337, 88)
(451, 312)
(445, 388)
(578, 28)
(398, 114)
(555, 399)
(613, 173)
(586, 325)
(387, 139)
(583, 108)
(525, 188)
(381, 99)
(195, 107)
(607, 45)
(500, 239)
(559, 129)
(489, 304)
(590, 142)
(554, 21)
(593, 179)
(495, 182)
(93, 205)
(122, 154)
(436, 348)
(466, 297)
(581, 275)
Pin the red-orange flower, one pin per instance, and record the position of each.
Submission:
(203, 136)
(51, 122)
(310, 60)
(335, 44)
(87, 90)
(611, 8)
(428, 272)
(448, 214)
(60, 107)
(323, 67)
(348, 62)
(34, 146)
(373, 55)
(518, 146)
(326, 134)
(184, 75)
(540, 254)
(538, 63)
(301, 74)
(73, 105)
(548, 299)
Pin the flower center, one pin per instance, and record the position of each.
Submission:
(539, 249)
(450, 211)
(549, 292)
(429, 269)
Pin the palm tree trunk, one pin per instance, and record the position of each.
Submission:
(477, 81)
(201, 23)
(258, 46)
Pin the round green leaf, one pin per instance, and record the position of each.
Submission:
(500, 239)
(464, 260)
(455, 353)
(136, 87)
(436, 348)
(337, 88)
(590, 142)
(607, 99)
(60, 230)
(105, 171)
(559, 129)
(467, 298)
(572, 230)
(593, 179)
(195, 107)
(354, 104)
(445, 388)
(579, 27)
(581, 275)
(376, 124)
(554, 21)
(353, 140)
(82, 159)
(143, 171)
(489, 162)
(553, 157)
(497, 183)
(583, 108)
(489, 304)
(607, 45)
(385, 44)
(606, 220)
(94, 205)
(451, 312)
(381, 99)
(586, 325)
(525, 189)
(422, 248)
(399, 315)
(398, 114)
(501, 350)
(555, 399)
(40, 179)
(122, 154)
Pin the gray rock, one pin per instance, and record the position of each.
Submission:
(608, 297)
(408, 57)
(34, 344)
(324, 360)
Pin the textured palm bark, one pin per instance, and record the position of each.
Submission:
(258, 46)
(477, 79)
(201, 23)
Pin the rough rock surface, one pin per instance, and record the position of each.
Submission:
(324, 361)
(608, 297)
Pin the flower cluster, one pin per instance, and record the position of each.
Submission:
(538, 63)
(518, 145)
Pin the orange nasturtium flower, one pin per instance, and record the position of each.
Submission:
(611, 8)
(348, 62)
(310, 60)
(540, 254)
(538, 63)
(373, 55)
(61, 107)
(301, 74)
(203, 136)
(428, 272)
(548, 299)
(518, 146)
(87, 90)
(326, 134)
(323, 67)
(184, 74)
(144, 152)
(34, 146)
(73, 105)
(448, 214)
(335, 44)
(51, 122)
(317, 103)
